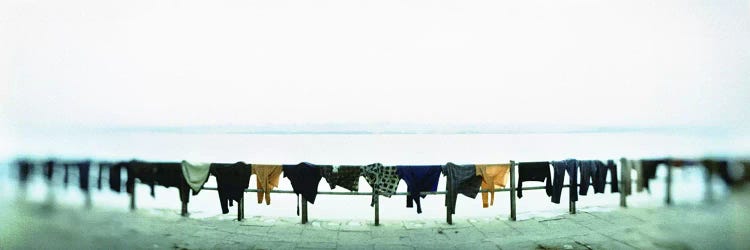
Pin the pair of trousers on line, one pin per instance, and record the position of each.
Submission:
(595, 173)
(560, 167)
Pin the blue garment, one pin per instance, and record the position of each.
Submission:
(589, 175)
(419, 179)
(560, 167)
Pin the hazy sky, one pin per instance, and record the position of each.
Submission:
(175, 63)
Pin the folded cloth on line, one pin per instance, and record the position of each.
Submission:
(344, 176)
(267, 177)
(383, 180)
(231, 182)
(195, 174)
(534, 171)
(305, 178)
(460, 179)
(419, 179)
(493, 176)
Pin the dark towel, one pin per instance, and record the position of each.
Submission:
(346, 177)
(83, 175)
(460, 179)
(305, 178)
(648, 167)
(534, 171)
(115, 179)
(24, 170)
(419, 179)
(231, 182)
(49, 169)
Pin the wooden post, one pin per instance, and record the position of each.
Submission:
(668, 198)
(304, 210)
(450, 198)
(184, 212)
(377, 208)
(241, 209)
(709, 182)
(132, 199)
(624, 169)
(512, 190)
(572, 207)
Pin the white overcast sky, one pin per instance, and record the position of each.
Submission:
(184, 63)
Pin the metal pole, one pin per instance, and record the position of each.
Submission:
(572, 207)
(240, 209)
(450, 198)
(132, 199)
(512, 190)
(624, 168)
(668, 199)
(184, 209)
(304, 210)
(710, 169)
(377, 208)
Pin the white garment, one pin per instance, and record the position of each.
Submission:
(196, 174)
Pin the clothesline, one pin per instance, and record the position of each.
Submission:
(624, 184)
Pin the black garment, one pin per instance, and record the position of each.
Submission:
(170, 175)
(163, 174)
(142, 171)
(305, 178)
(534, 171)
(83, 175)
(24, 170)
(648, 167)
(460, 179)
(49, 169)
(346, 177)
(589, 175)
(600, 180)
(99, 178)
(419, 179)
(115, 181)
(560, 167)
(722, 168)
(65, 174)
(231, 182)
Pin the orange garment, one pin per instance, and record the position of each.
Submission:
(493, 175)
(267, 178)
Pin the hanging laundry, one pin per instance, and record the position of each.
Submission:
(49, 169)
(600, 180)
(231, 182)
(305, 178)
(267, 178)
(383, 180)
(560, 167)
(460, 179)
(343, 176)
(162, 174)
(589, 175)
(65, 174)
(419, 179)
(24, 170)
(195, 174)
(493, 176)
(648, 172)
(143, 172)
(720, 167)
(114, 177)
(83, 175)
(534, 171)
(102, 165)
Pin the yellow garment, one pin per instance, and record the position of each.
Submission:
(493, 175)
(267, 178)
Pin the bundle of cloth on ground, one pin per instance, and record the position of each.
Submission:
(232, 179)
